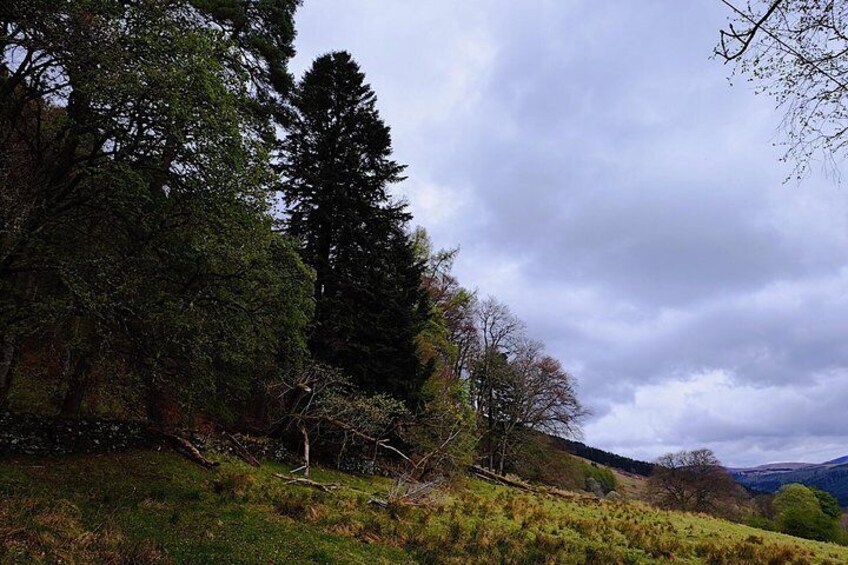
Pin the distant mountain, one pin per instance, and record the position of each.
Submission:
(619, 462)
(831, 476)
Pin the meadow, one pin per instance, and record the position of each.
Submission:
(155, 507)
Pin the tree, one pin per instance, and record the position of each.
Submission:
(803, 512)
(797, 52)
(694, 481)
(443, 435)
(515, 387)
(263, 31)
(449, 339)
(338, 170)
(136, 239)
(532, 393)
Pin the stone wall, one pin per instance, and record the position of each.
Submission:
(30, 434)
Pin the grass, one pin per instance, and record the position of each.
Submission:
(151, 507)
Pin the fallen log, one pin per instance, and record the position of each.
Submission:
(242, 451)
(186, 449)
(484, 473)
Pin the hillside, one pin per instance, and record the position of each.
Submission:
(155, 507)
(606, 458)
(831, 477)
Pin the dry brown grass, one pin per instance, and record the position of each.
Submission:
(35, 531)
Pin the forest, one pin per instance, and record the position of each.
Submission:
(190, 234)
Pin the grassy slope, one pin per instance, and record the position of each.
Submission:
(147, 506)
(630, 485)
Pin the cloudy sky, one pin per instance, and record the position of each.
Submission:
(603, 178)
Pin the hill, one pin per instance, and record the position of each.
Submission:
(155, 507)
(831, 477)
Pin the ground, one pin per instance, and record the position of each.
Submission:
(150, 507)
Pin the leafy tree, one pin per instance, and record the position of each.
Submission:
(137, 235)
(828, 503)
(444, 433)
(263, 31)
(800, 512)
(338, 171)
(448, 341)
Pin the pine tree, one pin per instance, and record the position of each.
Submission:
(338, 168)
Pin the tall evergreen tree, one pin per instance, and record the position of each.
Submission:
(338, 167)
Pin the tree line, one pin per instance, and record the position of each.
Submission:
(189, 232)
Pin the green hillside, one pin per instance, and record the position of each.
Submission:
(152, 507)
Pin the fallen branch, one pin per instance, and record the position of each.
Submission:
(353, 431)
(488, 479)
(328, 487)
(242, 451)
(187, 450)
(484, 473)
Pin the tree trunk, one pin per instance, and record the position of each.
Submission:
(305, 450)
(154, 401)
(503, 457)
(6, 364)
(77, 387)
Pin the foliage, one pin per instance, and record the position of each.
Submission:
(338, 170)
(137, 243)
(444, 434)
(604, 477)
(805, 513)
(447, 343)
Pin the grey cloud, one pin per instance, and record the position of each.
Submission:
(602, 177)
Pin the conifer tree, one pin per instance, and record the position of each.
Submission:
(338, 168)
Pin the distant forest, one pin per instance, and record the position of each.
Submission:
(606, 458)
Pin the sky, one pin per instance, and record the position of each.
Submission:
(602, 176)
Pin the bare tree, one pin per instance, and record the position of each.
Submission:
(499, 331)
(535, 393)
(694, 481)
(797, 52)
